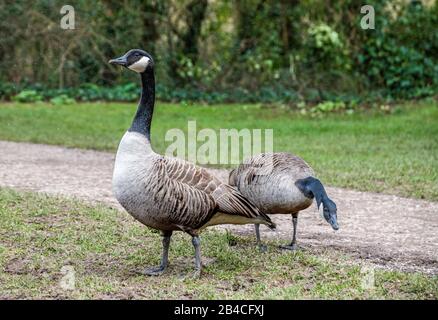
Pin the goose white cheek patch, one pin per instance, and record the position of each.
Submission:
(140, 65)
(321, 211)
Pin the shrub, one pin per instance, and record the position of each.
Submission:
(7, 90)
(324, 47)
(397, 56)
(398, 68)
(62, 99)
(28, 96)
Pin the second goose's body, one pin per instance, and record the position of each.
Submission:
(282, 183)
(269, 181)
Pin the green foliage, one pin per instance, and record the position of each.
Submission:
(7, 90)
(329, 106)
(324, 46)
(196, 74)
(402, 70)
(130, 93)
(28, 96)
(62, 99)
(397, 56)
(221, 51)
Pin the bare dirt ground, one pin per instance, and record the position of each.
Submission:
(385, 230)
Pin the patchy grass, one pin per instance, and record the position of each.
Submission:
(394, 153)
(107, 249)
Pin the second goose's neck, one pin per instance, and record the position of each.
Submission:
(143, 117)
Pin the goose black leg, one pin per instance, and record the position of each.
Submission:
(262, 247)
(293, 245)
(198, 264)
(156, 271)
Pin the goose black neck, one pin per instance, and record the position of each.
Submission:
(143, 117)
(312, 187)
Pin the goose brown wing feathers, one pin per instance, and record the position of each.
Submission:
(202, 185)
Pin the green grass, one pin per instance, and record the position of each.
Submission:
(107, 249)
(395, 153)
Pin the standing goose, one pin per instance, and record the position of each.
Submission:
(170, 194)
(281, 183)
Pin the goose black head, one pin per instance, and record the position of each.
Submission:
(135, 59)
(312, 187)
(330, 213)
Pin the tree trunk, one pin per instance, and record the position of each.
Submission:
(195, 16)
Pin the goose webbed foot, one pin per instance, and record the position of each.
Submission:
(197, 274)
(291, 247)
(154, 271)
(262, 247)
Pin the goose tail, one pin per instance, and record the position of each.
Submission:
(271, 225)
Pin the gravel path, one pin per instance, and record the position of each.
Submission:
(386, 230)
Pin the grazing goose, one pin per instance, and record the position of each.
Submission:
(282, 183)
(165, 193)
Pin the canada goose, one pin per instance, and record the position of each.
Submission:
(282, 183)
(165, 193)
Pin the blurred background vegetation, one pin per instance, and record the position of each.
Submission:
(289, 51)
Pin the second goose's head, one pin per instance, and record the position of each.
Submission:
(329, 211)
(135, 59)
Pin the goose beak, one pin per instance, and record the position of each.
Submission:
(334, 224)
(121, 61)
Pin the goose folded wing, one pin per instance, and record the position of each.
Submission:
(227, 199)
(250, 174)
(191, 175)
(187, 206)
(231, 201)
(191, 208)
